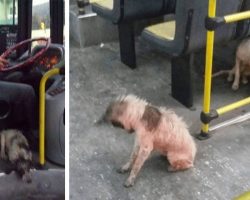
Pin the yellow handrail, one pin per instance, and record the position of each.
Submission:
(44, 79)
(237, 17)
(207, 115)
(208, 67)
(233, 106)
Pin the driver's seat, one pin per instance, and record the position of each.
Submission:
(5, 109)
(15, 76)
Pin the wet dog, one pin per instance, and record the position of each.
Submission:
(156, 128)
(241, 67)
(15, 149)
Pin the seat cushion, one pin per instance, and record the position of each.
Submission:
(106, 4)
(165, 30)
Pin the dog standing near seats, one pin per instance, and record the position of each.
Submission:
(15, 148)
(241, 67)
(156, 128)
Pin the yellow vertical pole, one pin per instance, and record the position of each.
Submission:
(43, 81)
(208, 67)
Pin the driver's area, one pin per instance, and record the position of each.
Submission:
(31, 40)
(30, 67)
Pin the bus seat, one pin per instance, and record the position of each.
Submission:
(243, 27)
(15, 76)
(5, 109)
(186, 35)
(124, 13)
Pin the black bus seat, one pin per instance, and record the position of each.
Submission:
(124, 13)
(5, 109)
(105, 8)
(243, 27)
(187, 36)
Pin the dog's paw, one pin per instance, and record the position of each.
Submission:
(235, 87)
(122, 170)
(129, 183)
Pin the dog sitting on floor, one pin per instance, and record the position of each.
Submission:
(156, 128)
(241, 67)
(15, 149)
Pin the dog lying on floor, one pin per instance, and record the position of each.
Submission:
(15, 149)
(156, 128)
(241, 67)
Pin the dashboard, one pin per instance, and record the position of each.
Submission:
(51, 57)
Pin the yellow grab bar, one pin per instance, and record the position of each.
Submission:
(43, 81)
(211, 24)
(237, 17)
(233, 106)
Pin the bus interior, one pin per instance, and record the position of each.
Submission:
(32, 40)
(129, 47)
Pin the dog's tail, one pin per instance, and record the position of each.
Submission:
(222, 72)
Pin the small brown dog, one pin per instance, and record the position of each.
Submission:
(241, 67)
(156, 128)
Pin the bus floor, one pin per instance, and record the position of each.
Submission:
(49, 170)
(48, 183)
(221, 169)
(5, 166)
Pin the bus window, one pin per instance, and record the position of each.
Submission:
(40, 18)
(8, 12)
(8, 24)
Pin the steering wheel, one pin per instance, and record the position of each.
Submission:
(28, 60)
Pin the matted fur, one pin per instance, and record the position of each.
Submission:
(15, 149)
(156, 128)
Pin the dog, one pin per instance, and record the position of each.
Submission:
(156, 128)
(15, 149)
(241, 67)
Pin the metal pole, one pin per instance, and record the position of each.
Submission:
(45, 77)
(209, 64)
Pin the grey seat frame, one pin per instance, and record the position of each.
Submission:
(124, 14)
(190, 37)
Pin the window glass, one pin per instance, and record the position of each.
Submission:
(40, 18)
(8, 12)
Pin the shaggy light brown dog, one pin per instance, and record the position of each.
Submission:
(156, 128)
(241, 67)
(15, 149)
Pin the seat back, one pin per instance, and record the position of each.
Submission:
(243, 27)
(190, 22)
(142, 9)
(5, 110)
(105, 10)
(130, 10)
